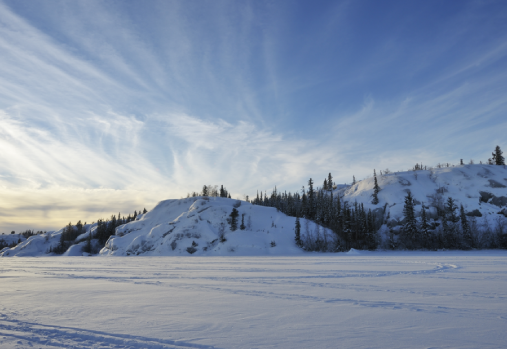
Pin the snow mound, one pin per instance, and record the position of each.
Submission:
(352, 252)
(199, 226)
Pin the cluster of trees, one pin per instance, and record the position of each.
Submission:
(105, 228)
(450, 229)
(351, 226)
(4, 243)
(211, 190)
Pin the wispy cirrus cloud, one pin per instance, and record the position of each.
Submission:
(109, 106)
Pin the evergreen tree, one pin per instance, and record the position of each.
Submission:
(79, 228)
(353, 180)
(446, 233)
(410, 226)
(205, 190)
(234, 219)
(311, 200)
(376, 189)
(297, 230)
(467, 232)
(498, 159)
(145, 211)
(450, 208)
(424, 233)
(242, 226)
(330, 181)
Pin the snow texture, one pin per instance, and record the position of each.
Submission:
(345, 300)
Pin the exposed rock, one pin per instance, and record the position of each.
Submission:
(499, 201)
(504, 212)
(485, 196)
(404, 182)
(474, 213)
(495, 184)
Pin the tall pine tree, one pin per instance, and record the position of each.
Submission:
(498, 159)
(376, 189)
(410, 226)
(297, 231)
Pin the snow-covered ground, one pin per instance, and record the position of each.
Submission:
(479, 188)
(343, 300)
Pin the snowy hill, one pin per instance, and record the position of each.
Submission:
(481, 189)
(39, 245)
(195, 226)
(199, 226)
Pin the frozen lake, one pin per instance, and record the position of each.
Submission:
(369, 300)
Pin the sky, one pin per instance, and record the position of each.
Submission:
(112, 106)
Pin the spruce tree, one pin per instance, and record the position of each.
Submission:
(297, 230)
(242, 226)
(498, 159)
(311, 200)
(410, 226)
(446, 233)
(451, 207)
(465, 227)
(205, 191)
(424, 233)
(330, 181)
(234, 219)
(353, 180)
(376, 189)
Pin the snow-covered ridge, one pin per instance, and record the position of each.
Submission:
(199, 226)
(481, 189)
(192, 226)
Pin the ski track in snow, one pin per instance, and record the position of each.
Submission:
(35, 335)
(182, 301)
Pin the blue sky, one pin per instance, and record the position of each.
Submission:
(110, 106)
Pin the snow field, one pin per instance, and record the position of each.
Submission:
(351, 300)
